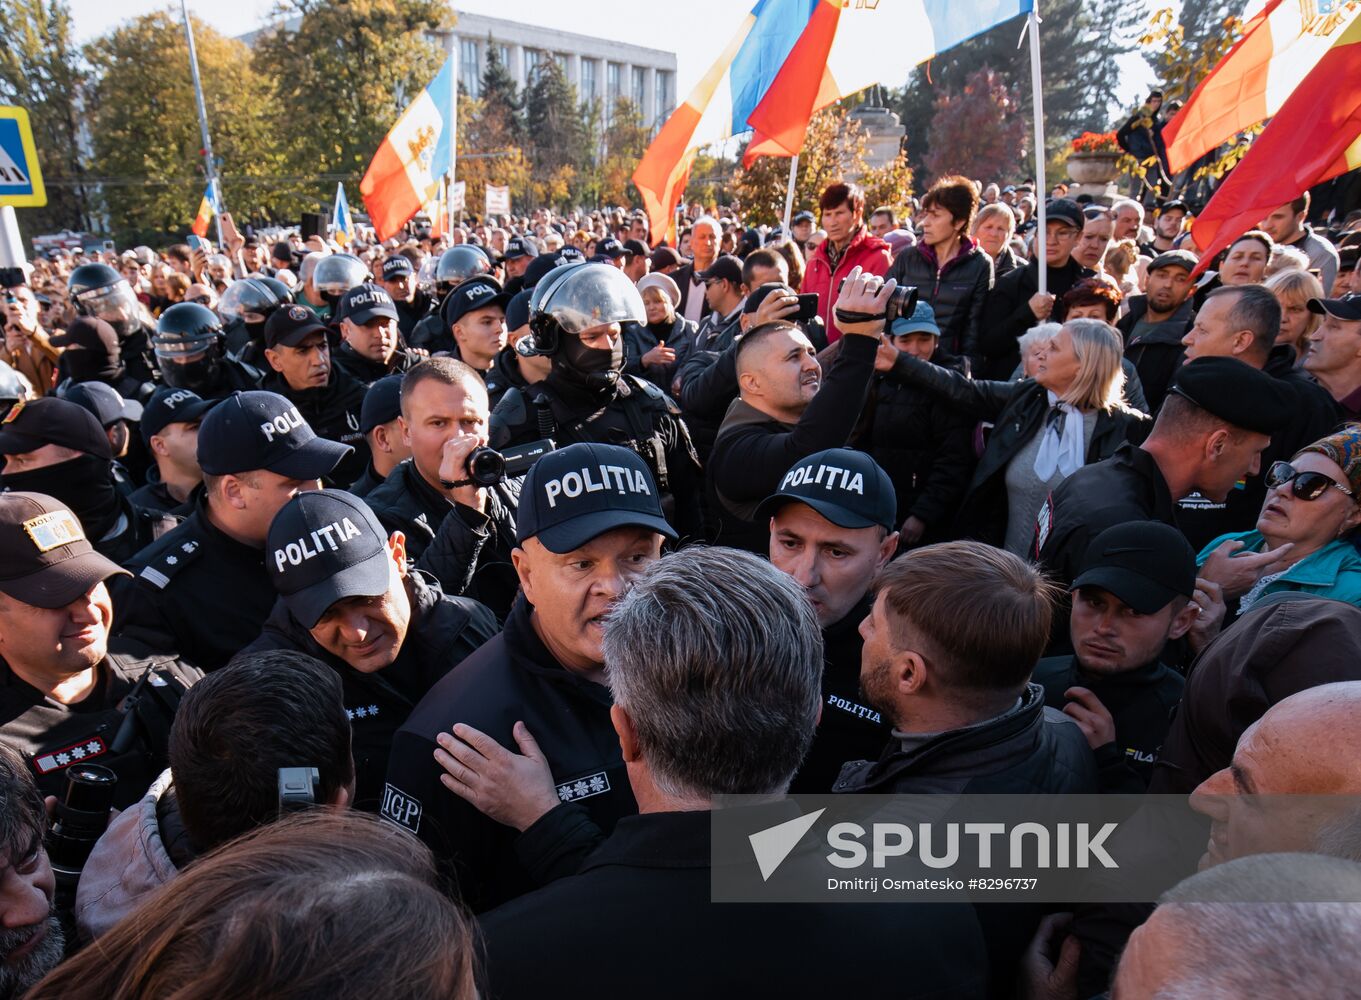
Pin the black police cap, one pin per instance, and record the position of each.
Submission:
(1146, 564)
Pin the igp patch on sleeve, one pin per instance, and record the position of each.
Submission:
(401, 809)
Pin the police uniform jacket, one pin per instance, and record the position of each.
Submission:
(442, 632)
(136, 693)
(646, 891)
(1128, 486)
(366, 483)
(635, 415)
(849, 729)
(332, 411)
(154, 496)
(511, 678)
(197, 591)
(136, 528)
(1018, 411)
(411, 313)
(468, 552)
(362, 369)
(1141, 702)
(232, 375)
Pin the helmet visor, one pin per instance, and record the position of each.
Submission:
(591, 295)
(113, 303)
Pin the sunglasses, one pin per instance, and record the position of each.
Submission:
(1305, 485)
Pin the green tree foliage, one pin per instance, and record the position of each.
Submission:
(1079, 40)
(978, 131)
(145, 133)
(625, 140)
(342, 77)
(557, 138)
(40, 72)
(502, 104)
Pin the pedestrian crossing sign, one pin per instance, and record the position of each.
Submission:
(21, 179)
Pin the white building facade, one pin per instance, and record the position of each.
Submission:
(600, 69)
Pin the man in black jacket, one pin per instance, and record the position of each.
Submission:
(371, 342)
(412, 304)
(347, 598)
(299, 355)
(1016, 303)
(429, 497)
(1157, 321)
(590, 522)
(831, 529)
(1133, 597)
(785, 413)
(681, 687)
(955, 631)
(1241, 321)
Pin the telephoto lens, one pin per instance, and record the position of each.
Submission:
(82, 816)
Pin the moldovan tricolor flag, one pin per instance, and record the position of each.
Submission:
(719, 104)
(846, 48)
(414, 156)
(207, 208)
(342, 226)
(1281, 44)
(1316, 135)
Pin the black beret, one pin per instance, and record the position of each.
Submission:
(1234, 392)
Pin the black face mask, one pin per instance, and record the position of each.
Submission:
(257, 333)
(198, 376)
(83, 484)
(592, 368)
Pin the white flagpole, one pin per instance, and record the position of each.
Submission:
(209, 166)
(1037, 92)
(789, 192)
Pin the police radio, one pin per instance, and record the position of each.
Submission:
(298, 789)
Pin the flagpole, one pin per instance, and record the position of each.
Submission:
(209, 166)
(789, 192)
(1037, 92)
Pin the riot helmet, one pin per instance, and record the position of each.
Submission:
(458, 264)
(13, 387)
(189, 346)
(101, 292)
(249, 300)
(335, 274)
(575, 298)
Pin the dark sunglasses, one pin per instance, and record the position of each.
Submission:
(1305, 485)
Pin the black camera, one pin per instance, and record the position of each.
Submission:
(82, 816)
(487, 466)
(901, 302)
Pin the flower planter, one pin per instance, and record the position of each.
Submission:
(1093, 168)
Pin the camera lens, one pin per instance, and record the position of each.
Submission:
(486, 467)
(902, 302)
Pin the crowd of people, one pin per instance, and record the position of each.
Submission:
(384, 619)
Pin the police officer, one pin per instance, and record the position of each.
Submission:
(456, 265)
(202, 590)
(100, 292)
(347, 598)
(333, 276)
(475, 313)
(413, 303)
(245, 307)
(169, 431)
(54, 447)
(371, 342)
(832, 530)
(191, 350)
(119, 418)
(299, 354)
(576, 314)
(1218, 417)
(91, 352)
(590, 522)
(521, 252)
(13, 387)
(443, 421)
(1133, 597)
(68, 693)
(379, 422)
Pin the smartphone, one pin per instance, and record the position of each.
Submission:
(808, 307)
(229, 233)
(313, 224)
(197, 242)
(108, 245)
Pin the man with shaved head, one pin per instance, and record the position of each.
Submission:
(1280, 793)
(786, 410)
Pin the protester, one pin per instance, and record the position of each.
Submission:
(1334, 356)
(232, 733)
(849, 245)
(34, 940)
(734, 625)
(1158, 321)
(952, 273)
(993, 229)
(1294, 290)
(1286, 227)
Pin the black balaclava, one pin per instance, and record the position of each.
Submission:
(591, 368)
(83, 484)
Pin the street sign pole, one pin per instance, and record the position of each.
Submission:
(21, 181)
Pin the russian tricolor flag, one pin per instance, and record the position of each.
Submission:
(413, 157)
